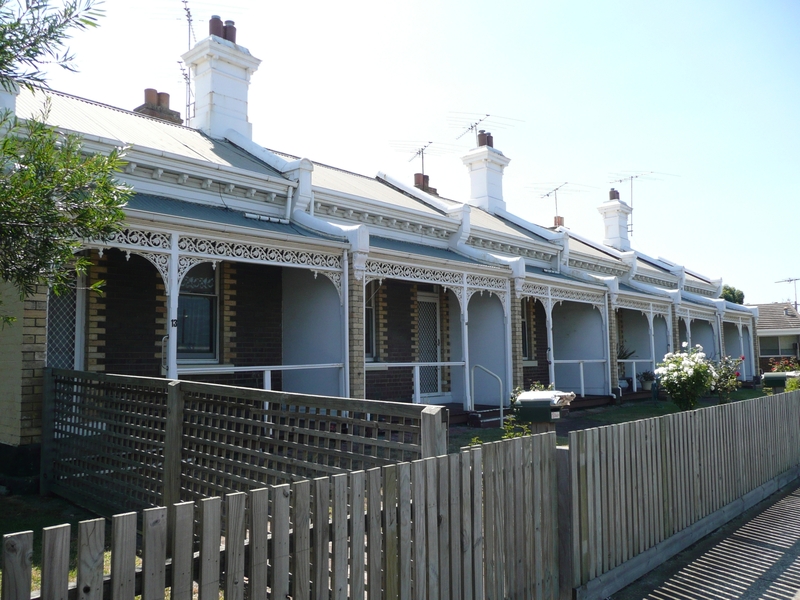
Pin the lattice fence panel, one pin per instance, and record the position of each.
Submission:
(237, 439)
(107, 441)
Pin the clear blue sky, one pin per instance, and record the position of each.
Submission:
(707, 93)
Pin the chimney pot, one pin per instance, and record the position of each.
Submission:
(613, 194)
(489, 140)
(425, 182)
(482, 137)
(230, 31)
(150, 96)
(163, 100)
(215, 26)
(558, 221)
(419, 180)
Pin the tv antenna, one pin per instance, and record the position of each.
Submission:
(189, 28)
(185, 72)
(421, 153)
(554, 194)
(546, 191)
(793, 280)
(631, 178)
(473, 120)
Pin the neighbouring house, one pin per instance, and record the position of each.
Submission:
(778, 332)
(243, 265)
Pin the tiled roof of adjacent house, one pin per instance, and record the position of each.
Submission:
(778, 315)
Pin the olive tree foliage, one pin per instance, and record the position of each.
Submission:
(731, 294)
(53, 194)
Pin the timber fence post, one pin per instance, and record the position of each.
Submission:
(171, 483)
(46, 473)
(433, 437)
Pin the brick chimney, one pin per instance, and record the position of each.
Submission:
(221, 72)
(615, 216)
(485, 166)
(422, 182)
(156, 105)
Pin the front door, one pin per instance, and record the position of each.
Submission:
(430, 377)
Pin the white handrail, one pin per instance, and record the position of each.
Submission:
(266, 369)
(415, 366)
(472, 387)
(634, 361)
(580, 362)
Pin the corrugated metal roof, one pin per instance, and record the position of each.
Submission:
(130, 128)
(579, 246)
(421, 249)
(484, 220)
(215, 214)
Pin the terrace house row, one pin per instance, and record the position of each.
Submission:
(237, 264)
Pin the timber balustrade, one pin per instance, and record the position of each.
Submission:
(478, 524)
(115, 442)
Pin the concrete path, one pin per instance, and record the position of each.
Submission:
(757, 555)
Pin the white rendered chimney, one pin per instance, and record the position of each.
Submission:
(615, 216)
(221, 74)
(485, 165)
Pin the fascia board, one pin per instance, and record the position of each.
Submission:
(504, 238)
(578, 255)
(392, 233)
(177, 162)
(200, 196)
(764, 332)
(329, 195)
(231, 233)
(431, 261)
(560, 283)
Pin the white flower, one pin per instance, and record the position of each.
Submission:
(684, 344)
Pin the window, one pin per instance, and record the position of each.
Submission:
(197, 314)
(784, 345)
(369, 321)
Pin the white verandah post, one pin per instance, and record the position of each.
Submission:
(173, 291)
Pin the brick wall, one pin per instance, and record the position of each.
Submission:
(355, 331)
(131, 313)
(11, 337)
(395, 315)
(517, 306)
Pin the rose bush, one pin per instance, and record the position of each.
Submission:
(686, 376)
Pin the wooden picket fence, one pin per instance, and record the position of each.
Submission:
(636, 484)
(473, 525)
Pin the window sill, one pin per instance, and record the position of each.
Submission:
(530, 363)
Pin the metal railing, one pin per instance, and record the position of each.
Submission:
(415, 366)
(472, 387)
(265, 369)
(632, 361)
(580, 363)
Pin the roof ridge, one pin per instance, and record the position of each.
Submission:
(111, 107)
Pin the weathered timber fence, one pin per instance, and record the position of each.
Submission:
(641, 491)
(114, 442)
(474, 525)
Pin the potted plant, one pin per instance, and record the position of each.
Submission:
(646, 379)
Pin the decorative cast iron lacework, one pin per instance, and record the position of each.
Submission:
(187, 262)
(689, 313)
(255, 252)
(486, 282)
(543, 292)
(375, 269)
(739, 320)
(645, 307)
(142, 239)
(160, 262)
(336, 279)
